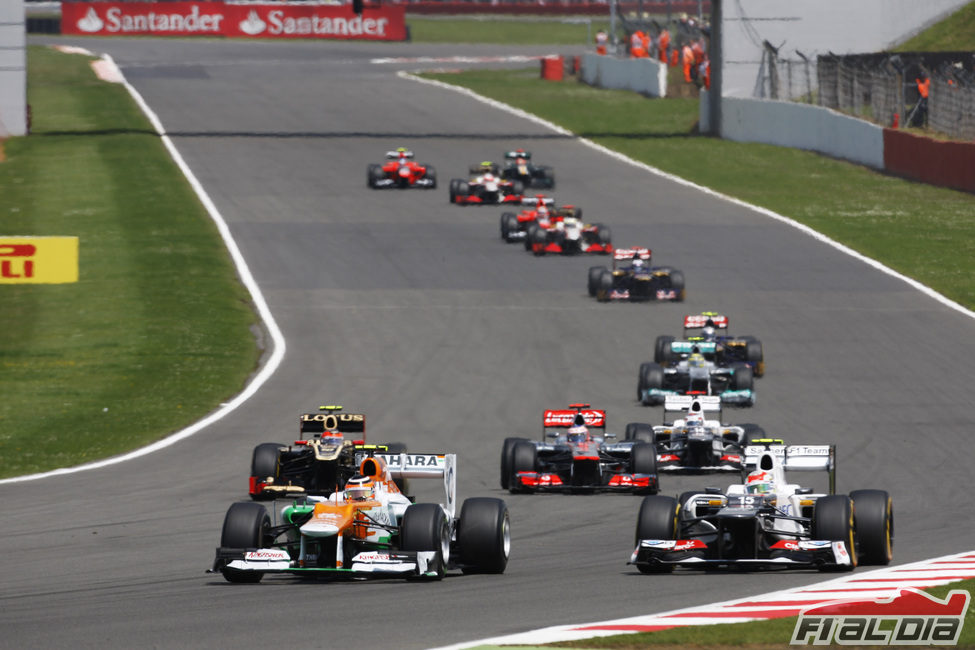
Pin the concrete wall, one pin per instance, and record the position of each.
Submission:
(13, 69)
(645, 76)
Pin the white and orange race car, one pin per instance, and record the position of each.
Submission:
(369, 528)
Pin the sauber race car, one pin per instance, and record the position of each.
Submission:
(695, 375)
(518, 166)
(399, 170)
(564, 232)
(632, 278)
(693, 443)
(318, 462)
(368, 528)
(765, 522)
(570, 459)
(707, 332)
(485, 187)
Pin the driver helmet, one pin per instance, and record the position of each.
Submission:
(577, 433)
(759, 482)
(708, 333)
(637, 262)
(696, 360)
(360, 488)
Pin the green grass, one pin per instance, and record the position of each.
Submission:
(953, 34)
(547, 31)
(925, 232)
(156, 332)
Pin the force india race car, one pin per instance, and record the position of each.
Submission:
(485, 187)
(695, 375)
(570, 459)
(635, 280)
(693, 443)
(399, 170)
(369, 528)
(518, 166)
(319, 461)
(766, 522)
(702, 331)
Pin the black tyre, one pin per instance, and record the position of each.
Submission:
(425, 528)
(651, 376)
(517, 188)
(605, 286)
(833, 521)
(604, 234)
(246, 526)
(431, 175)
(265, 463)
(508, 459)
(593, 284)
(753, 432)
(755, 355)
(524, 458)
(484, 535)
(662, 349)
(374, 173)
(530, 236)
(657, 520)
(539, 239)
(743, 379)
(677, 284)
(639, 431)
(453, 189)
(509, 225)
(873, 522)
(643, 460)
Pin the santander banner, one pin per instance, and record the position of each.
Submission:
(251, 20)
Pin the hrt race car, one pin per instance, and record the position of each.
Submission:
(369, 528)
(571, 459)
(518, 166)
(485, 187)
(318, 462)
(708, 333)
(564, 232)
(632, 278)
(399, 170)
(765, 522)
(514, 226)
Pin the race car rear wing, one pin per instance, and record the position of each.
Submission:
(620, 254)
(796, 458)
(685, 403)
(421, 466)
(563, 418)
(317, 423)
(537, 200)
(697, 321)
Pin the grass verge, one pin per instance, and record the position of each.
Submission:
(956, 33)
(157, 332)
(922, 231)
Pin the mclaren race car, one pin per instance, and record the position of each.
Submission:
(485, 187)
(518, 166)
(765, 522)
(399, 170)
(569, 458)
(321, 459)
(368, 528)
(708, 333)
(632, 278)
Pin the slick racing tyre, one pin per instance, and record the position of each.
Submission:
(484, 535)
(425, 528)
(265, 463)
(639, 431)
(755, 355)
(530, 236)
(752, 433)
(651, 376)
(657, 520)
(662, 350)
(593, 283)
(508, 459)
(604, 287)
(643, 460)
(604, 235)
(246, 526)
(677, 284)
(524, 458)
(743, 379)
(509, 226)
(833, 521)
(374, 174)
(431, 175)
(539, 239)
(873, 523)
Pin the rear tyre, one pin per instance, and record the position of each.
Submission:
(657, 520)
(484, 535)
(755, 356)
(752, 433)
(873, 522)
(643, 460)
(425, 528)
(640, 432)
(604, 235)
(265, 463)
(677, 284)
(431, 175)
(833, 521)
(246, 526)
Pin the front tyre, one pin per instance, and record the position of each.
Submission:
(484, 535)
(425, 529)
(246, 526)
(657, 520)
(833, 521)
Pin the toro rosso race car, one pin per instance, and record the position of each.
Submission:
(399, 170)
(695, 375)
(765, 522)
(708, 333)
(518, 166)
(571, 459)
(368, 528)
(485, 187)
(319, 461)
(632, 278)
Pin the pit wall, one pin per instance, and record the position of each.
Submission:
(645, 76)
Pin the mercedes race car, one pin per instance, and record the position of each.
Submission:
(632, 278)
(399, 170)
(485, 187)
(765, 522)
(369, 528)
(708, 333)
(694, 443)
(571, 459)
(321, 460)
(695, 375)
(518, 166)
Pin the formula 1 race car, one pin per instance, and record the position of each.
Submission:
(514, 226)
(369, 528)
(765, 522)
(319, 461)
(693, 443)
(632, 278)
(695, 375)
(485, 187)
(570, 459)
(564, 232)
(703, 332)
(518, 166)
(399, 170)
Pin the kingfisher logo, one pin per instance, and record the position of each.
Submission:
(38, 260)
(912, 617)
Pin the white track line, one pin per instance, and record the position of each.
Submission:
(278, 348)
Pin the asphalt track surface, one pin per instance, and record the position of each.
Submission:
(412, 310)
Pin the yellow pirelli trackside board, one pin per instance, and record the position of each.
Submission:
(38, 260)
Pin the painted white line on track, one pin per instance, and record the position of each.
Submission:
(926, 290)
(274, 332)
